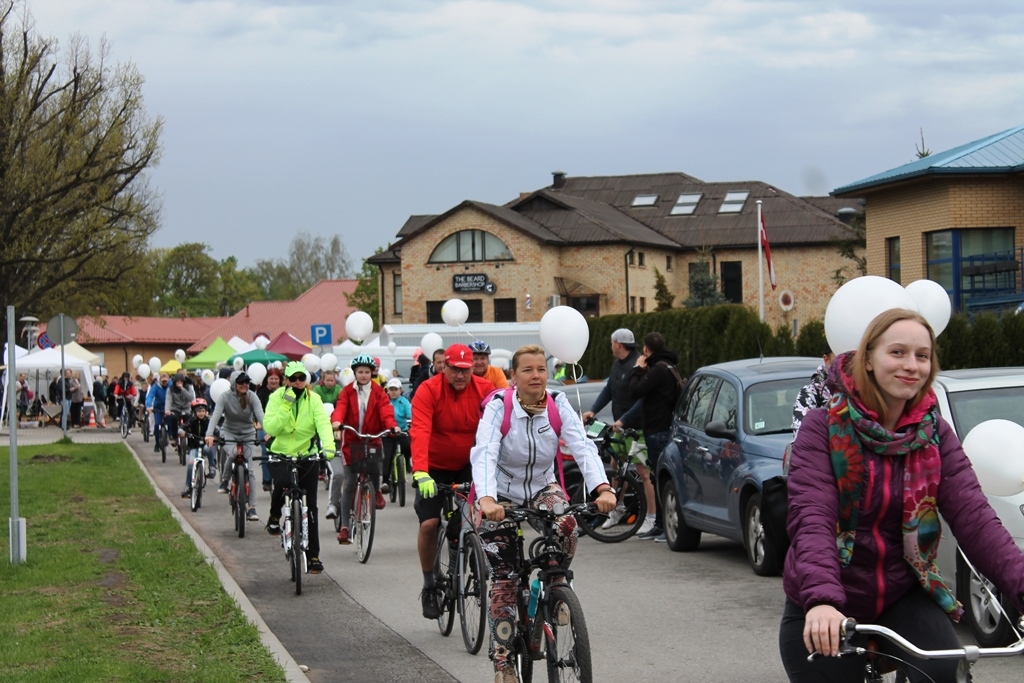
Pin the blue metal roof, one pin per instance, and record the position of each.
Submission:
(999, 153)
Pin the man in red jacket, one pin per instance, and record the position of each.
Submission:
(445, 414)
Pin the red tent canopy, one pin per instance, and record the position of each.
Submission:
(287, 345)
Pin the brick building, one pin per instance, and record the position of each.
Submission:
(955, 217)
(596, 243)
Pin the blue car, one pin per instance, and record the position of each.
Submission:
(729, 432)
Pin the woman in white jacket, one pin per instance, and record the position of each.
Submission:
(519, 467)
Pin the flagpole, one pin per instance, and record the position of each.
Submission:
(760, 264)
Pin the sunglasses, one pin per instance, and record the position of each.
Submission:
(459, 371)
(297, 378)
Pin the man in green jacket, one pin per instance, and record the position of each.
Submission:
(294, 418)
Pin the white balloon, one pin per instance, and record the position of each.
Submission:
(328, 361)
(933, 303)
(179, 355)
(455, 312)
(392, 346)
(996, 450)
(137, 361)
(347, 377)
(257, 372)
(311, 362)
(219, 388)
(431, 342)
(358, 325)
(329, 409)
(277, 365)
(854, 306)
(207, 376)
(564, 333)
(144, 370)
(238, 363)
(155, 364)
(261, 342)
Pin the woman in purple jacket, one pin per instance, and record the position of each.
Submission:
(867, 480)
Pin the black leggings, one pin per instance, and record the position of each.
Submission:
(309, 480)
(915, 616)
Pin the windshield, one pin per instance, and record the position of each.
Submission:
(971, 408)
(769, 405)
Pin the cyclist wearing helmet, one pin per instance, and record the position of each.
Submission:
(366, 407)
(242, 412)
(195, 430)
(403, 414)
(482, 365)
(295, 419)
(178, 406)
(126, 393)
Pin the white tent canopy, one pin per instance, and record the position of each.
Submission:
(76, 349)
(238, 344)
(44, 365)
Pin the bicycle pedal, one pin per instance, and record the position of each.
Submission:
(631, 519)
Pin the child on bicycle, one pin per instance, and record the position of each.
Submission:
(403, 414)
(195, 430)
(520, 463)
(364, 406)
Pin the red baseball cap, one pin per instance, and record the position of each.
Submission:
(459, 356)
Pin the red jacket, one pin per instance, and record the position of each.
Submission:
(379, 413)
(444, 423)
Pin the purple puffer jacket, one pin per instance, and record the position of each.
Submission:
(878, 575)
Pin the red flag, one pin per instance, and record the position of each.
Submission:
(767, 253)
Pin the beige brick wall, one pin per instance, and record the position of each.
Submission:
(805, 271)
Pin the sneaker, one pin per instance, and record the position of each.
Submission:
(223, 488)
(660, 538)
(314, 565)
(210, 474)
(428, 597)
(156, 449)
(268, 486)
(653, 533)
(614, 517)
(385, 487)
(187, 493)
(380, 501)
(645, 527)
(332, 512)
(252, 516)
(506, 676)
(274, 526)
(343, 536)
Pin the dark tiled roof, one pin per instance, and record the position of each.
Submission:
(579, 220)
(413, 224)
(501, 213)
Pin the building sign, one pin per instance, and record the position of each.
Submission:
(473, 282)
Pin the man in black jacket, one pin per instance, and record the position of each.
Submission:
(656, 382)
(616, 389)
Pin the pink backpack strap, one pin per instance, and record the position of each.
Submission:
(553, 417)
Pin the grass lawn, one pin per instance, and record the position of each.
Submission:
(113, 590)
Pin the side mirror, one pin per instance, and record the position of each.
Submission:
(716, 429)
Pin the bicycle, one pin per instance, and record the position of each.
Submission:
(294, 533)
(460, 571)
(623, 477)
(399, 472)
(160, 436)
(873, 670)
(125, 420)
(175, 422)
(142, 418)
(199, 475)
(549, 618)
(238, 492)
(363, 517)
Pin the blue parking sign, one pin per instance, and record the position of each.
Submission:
(320, 335)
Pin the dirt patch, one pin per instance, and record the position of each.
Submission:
(106, 555)
(50, 457)
(114, 580)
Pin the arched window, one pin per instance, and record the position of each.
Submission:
(470, 245)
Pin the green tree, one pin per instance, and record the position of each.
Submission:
(848, 247)
(662, 295)
(190, 281)
(76, 210)
(704, 286)
(310, 260)
(236, 287)
(366, 296)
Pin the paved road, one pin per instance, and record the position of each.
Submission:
(653, 615)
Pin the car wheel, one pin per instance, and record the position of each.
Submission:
(981, 600)
(761, 547)
(678, 535)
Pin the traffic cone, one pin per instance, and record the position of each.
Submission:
(92, 419)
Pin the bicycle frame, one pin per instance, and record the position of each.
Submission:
(294, 533)
(362, 530)
(238, 498)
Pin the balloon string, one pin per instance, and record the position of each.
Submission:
(575, 380)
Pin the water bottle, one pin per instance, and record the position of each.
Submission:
(531, 609)
(286, 529)
(305, 527)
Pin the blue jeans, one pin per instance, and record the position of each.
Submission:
(208, 453)
(656, 442)
(65, 411)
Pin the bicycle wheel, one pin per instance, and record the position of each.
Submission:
(568, 650)
(241, 505)
(181, 451)
(124, 423)
(394, 477)
(443, 581)
(399, 483)
(144, 423)
(162, 441)
(366, 522)
(521, 659)
(632, 506)
(472, 594)
(298, 555)
(198, 482)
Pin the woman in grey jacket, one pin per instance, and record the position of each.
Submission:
(242, 414)
(517, 465)
(867, 480)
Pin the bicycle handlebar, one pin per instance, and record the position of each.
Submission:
(220, 441)
(523, 514)
(368, 437)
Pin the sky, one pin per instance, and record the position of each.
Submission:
(342, 117)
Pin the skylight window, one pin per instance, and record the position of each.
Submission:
(686, 204)
(733, 202)
(645, 200)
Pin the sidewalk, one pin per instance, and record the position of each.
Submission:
(35, 436)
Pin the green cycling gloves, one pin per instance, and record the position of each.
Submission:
(426, 485)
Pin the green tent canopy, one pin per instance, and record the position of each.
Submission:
(258, 356)
(217, 352)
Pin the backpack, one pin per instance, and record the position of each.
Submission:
(680, 381)
(506, 422)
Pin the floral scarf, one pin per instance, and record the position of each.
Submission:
(851, 429)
